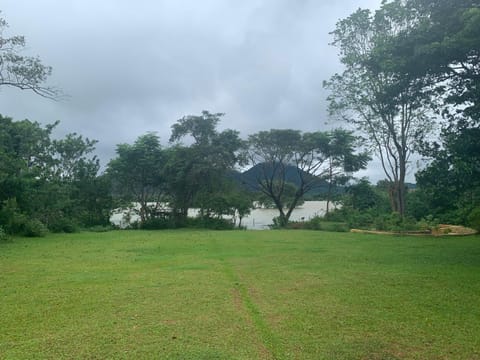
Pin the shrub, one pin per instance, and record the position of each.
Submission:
(474, 219)
(34, 228)
(3, 234)
(158, 224)
(335, 227)
(209, 223)
(100, 228)
(314, 223)
(63, 224)
(318, 223)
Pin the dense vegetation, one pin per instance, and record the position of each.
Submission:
(410, 65)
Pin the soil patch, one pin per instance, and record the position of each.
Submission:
(440, 230)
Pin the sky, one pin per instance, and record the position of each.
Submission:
(131, 67)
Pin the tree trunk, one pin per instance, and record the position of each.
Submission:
(329, 192)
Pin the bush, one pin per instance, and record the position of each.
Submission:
(63, 224)
(474, 219)
(3, 234)
(209, 223)
(22, 225)
(335, 227)
(34, 228)
(314, 224)
(158, 224)
(318, 223)
(100, 228)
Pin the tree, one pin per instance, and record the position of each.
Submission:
(24, 158)
(342, 160)
(388, 107)
(443, 45)
(230, 200)
(51, 181)
(20, 71)
(451, 182)
(81, 198)
(277, 151)
(197, 171)
(137, 174)
(71, 158)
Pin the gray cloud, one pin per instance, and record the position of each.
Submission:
(132, 67)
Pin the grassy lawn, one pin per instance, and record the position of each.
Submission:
(239, 295)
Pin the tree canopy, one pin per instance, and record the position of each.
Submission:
(313, 156)
(389, 108)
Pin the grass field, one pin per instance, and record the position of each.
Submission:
(239, 295)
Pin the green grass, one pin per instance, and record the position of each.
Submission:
(239, 295)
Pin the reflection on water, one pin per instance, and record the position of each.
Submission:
(259, 219)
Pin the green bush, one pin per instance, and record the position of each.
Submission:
(34, 228)
(318, 223)
(100, 228)
(3, 234)
(158, 224)
(335, 227)
(63, 225)
(314, 223)
(209, 223)
(474, 219)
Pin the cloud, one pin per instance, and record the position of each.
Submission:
(132, 67)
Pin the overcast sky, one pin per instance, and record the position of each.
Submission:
(135, 66)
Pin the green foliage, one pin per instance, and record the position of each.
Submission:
(62, 224)
(367, 207)
(314, 156)
(14, 222)
(49, 180)
(158, 224)
(3, 234)
(209, 223)
(99, 228)
(450, 185)
(33, 228)
(196, 174)
(319, 223)
(443, 46)
(396, 223)
(388, 107)
(137, 173)
(473, 219)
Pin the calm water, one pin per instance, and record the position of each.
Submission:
(259, 219)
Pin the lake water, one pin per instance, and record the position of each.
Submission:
(259, 219)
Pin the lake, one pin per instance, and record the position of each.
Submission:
(259, 219)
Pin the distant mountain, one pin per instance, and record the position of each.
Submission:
(248, 179)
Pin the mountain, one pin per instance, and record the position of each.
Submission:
(248, 179)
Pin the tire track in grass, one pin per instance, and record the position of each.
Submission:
(269, 344)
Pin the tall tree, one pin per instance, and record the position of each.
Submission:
(389, 108)
(197, 170)
(444, 46)
(52, 181)
(277, 151)
(137, 174)
(21, 71)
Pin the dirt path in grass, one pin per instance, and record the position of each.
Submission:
(266, 343)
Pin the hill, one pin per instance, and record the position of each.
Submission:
(248, 179)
